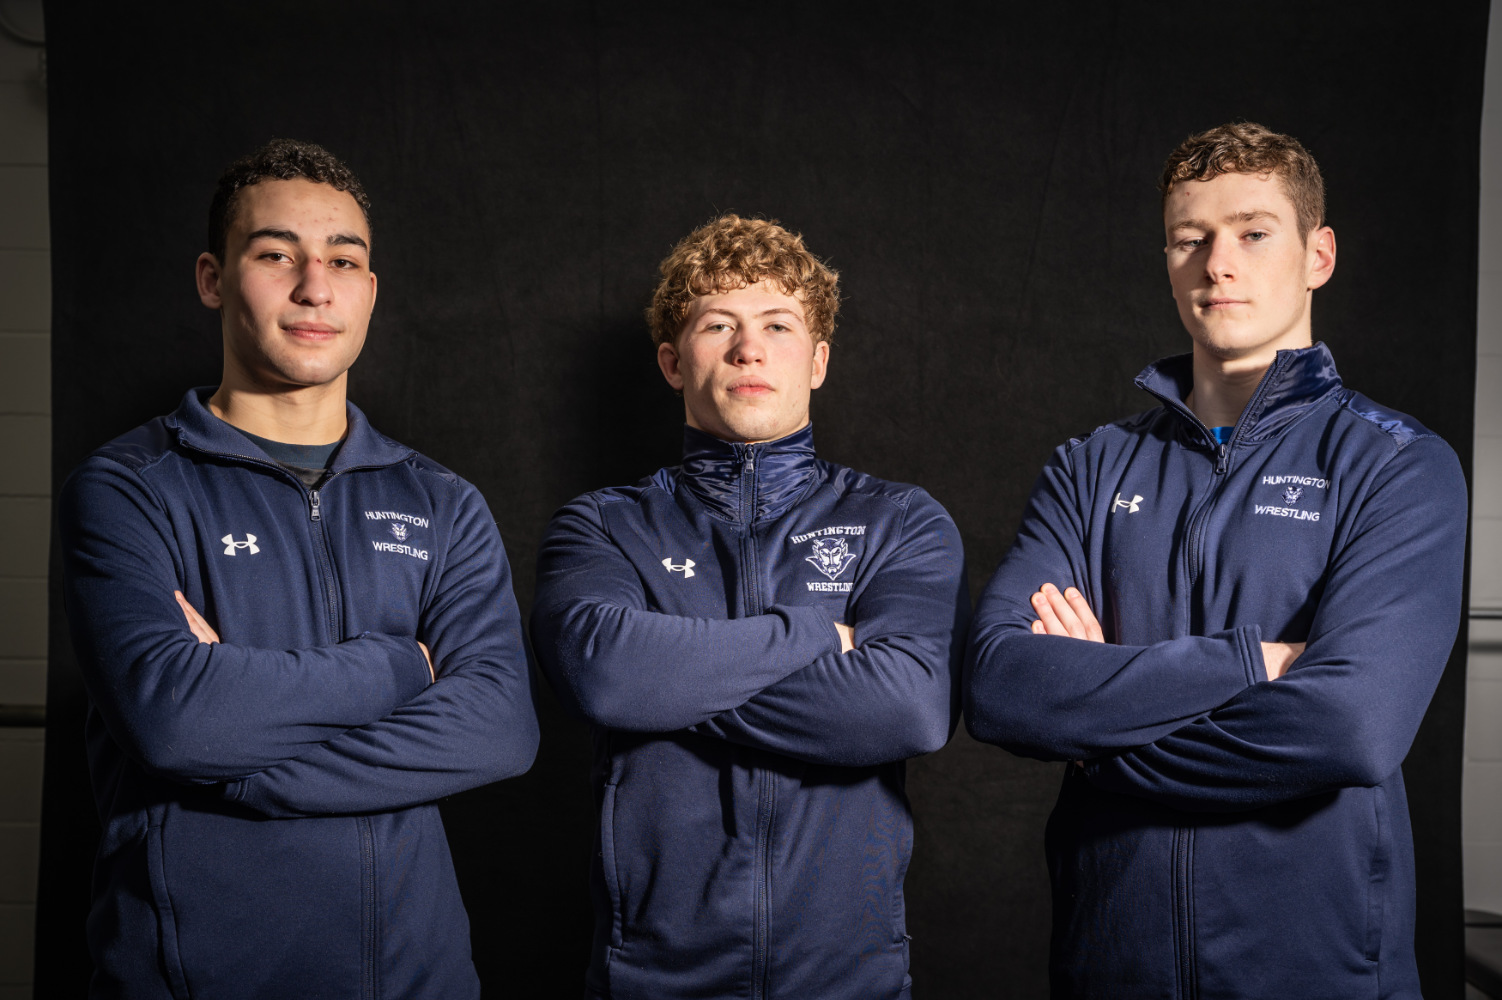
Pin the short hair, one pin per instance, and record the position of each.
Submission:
(278, 160)
(731, 252)
(1249, 148)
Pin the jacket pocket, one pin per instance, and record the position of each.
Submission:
(166, 922)
(1379, 873)
(609, 875)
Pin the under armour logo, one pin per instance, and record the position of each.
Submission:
(230, 545)
(1132, 506)
(686, 567)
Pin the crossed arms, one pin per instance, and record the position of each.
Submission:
(783, 680)
(354, 727)
(1228, 721)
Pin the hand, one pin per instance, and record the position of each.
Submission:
(196, 624)
(1277, 657)
(847, 636)
(1066, 614)
(432, 675)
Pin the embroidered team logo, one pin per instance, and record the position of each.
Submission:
(686, 567)
(832, 556)
(230, 545)
(1291, 490)
(400, 526)
(1131, 506)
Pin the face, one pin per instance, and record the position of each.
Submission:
(295, 290)
(745, 363)
(1241, 275)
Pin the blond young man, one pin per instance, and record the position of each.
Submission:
(760, 639)
(1275, 561)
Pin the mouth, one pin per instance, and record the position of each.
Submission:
(1217, 304)
(749, 387)
(314, 332)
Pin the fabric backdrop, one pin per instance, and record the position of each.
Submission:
(981, 175)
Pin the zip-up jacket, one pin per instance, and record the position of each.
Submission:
(754, 829)
(1229, 836)
(267, 801)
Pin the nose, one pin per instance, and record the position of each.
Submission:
(1220, 260)
(313, 288)
(748, 347)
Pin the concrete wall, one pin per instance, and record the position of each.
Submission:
(25, 476)
(1483, 774)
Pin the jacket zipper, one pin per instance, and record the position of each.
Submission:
(766, 799)
(325, 556)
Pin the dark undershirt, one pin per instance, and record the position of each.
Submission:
(308, 462)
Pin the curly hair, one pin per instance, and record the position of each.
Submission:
(732, 252)
(278, 160)
(1249, 148)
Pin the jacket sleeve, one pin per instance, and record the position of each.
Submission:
(1346, 712)
(185, 710)
(615, 663)
(1057, 698)
(896, 694)
(475, 724)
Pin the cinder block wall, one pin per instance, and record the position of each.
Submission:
(25, 481)
(1483, 766)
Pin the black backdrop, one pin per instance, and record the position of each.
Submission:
(982, 177)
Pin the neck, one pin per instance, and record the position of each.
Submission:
(312, 414)
(1223, 386)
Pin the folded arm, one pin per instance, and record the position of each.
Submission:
(896, 695)
(1060, 698)
(617, 664)
(190, 711)
(475, 724)
(1346, 712)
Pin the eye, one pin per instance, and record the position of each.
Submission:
(275, 256)
(1192, 243)
(777, 327)
(343, 263)
(1258, 236)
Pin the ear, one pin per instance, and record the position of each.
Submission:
(208, 275)
(821, 364)
(1321, 256)
(372, 291)
(667, 360)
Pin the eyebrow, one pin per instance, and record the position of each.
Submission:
(287, 235)
(1258, 215)
(766, 312)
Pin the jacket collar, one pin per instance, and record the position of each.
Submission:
(198, 428)
(748, 482)
(1295, 381)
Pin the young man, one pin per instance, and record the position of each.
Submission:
(295, 633)
(1276, 563)
(760, 639)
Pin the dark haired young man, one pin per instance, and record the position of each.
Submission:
(1276, 563)
(265, 770)
(760, 639)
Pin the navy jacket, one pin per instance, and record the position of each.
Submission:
(754, 830)
(1231, 837)
(267, 802)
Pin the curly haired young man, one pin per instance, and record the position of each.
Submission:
(760, 639)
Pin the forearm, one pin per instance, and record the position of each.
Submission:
(468, 729)
(885, 701)
(644, 671)
(1058, 698)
